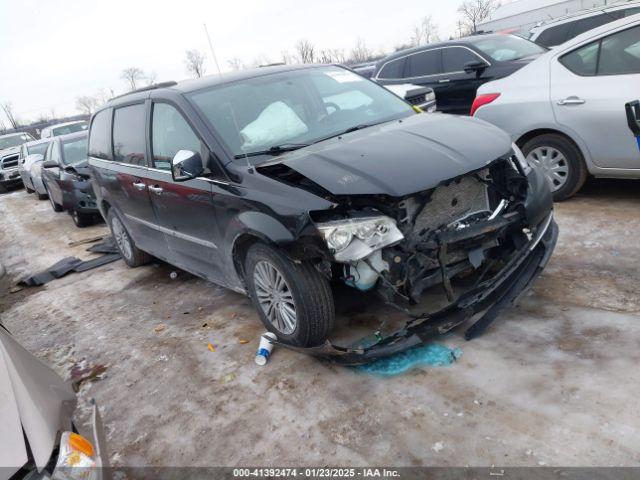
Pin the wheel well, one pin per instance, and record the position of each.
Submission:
(240, 249)
(545, 131)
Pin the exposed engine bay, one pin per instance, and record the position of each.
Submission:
(473, 238)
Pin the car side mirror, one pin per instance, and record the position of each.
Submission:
(49, 164)
(475, 66)
(186, 165)
(633, 116)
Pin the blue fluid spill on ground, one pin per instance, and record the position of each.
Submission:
(432, 355)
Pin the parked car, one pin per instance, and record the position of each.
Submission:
(38, 438)
(421, 97)
(63, 129)
(559, 30)
(455, 69)
(275, 182)
(9, 153)
(66, 177)
(566, 110)
(30, 153)
(365, 69)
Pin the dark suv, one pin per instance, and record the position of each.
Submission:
(278, 181)
(456, 68)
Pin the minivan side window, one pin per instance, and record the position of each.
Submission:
(454, 59)
(170, 133)
(617, 54)
(129, 135)
(422, 64)
(100, 135)
(392, 69)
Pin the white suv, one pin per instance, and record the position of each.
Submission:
(566, 110)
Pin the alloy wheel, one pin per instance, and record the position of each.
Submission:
(553, 163)
(275, 297)
(122, 238)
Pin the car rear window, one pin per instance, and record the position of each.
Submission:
(128, 135)
(100, 135)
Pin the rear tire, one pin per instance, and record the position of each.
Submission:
(81, 220)
(294, 300)
(132, 255)
(561, 161)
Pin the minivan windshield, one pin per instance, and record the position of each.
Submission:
(292, 109)
(14, 140)
(504, 48)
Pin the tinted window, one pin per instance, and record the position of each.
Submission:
(554, 36)
(100, 135)
(620, 53)
(74, 151)
(454, 59)
(627, 12)
(128, 135)
(586, 24)
(583, 61)
(170, 133)
(392, 69)
(424, 63)
(76, 127)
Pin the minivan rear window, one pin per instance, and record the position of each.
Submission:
(100, 135)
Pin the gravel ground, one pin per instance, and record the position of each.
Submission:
(551, 383)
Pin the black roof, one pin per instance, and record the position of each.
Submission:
(192, 85)
(464, 41)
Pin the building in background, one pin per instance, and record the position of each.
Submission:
(521, 15)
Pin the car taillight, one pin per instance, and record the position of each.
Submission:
(482, 100)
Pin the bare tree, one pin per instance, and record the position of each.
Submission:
(132, 76)
(426, 32)
(306, 51)
(236, 64)
(87, 104)
(7, 108)
(475, 11)
(3, 127)
(287, 57)
(195, 62)
(360, 53)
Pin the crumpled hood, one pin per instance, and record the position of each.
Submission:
(81, 167)
(401, 157)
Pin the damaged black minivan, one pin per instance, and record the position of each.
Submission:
(279, 181)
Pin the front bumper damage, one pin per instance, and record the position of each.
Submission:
(488, 296)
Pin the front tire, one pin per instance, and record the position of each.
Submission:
(132, 255)
(81, 220)
(294, 300)
(560, 160)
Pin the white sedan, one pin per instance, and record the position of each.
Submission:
(566, 110)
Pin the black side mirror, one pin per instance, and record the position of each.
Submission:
(633, 116)
(475, 66)
(186, 165)
(49, 164)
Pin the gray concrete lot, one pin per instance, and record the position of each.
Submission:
(553, 382)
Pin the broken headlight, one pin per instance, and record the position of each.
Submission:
(357, 238)
(519, 157)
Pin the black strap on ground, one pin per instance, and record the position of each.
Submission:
(72, 264)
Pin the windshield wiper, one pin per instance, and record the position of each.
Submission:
(274, 150)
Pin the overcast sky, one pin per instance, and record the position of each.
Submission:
(53, 51)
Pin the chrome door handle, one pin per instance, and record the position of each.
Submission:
(139, 185)
(572, 101)
(445, 80)
(156, 189)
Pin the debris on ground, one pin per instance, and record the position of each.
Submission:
(83, 371)
(433, 355)
(229, 377)
(15, 289)
(211, 347)
(86, 240)
(159, 328)
(438, 446)
(265, 348)
(173, 275)
(243, 341)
